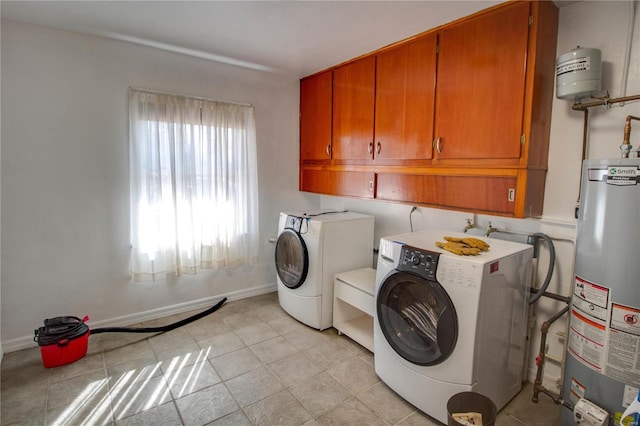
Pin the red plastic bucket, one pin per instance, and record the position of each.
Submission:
(62, 340)
(65, 351)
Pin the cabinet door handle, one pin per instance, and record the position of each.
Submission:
(378, 148)
(370, 185)
(328, 149)
(436, 145)
(370, 148)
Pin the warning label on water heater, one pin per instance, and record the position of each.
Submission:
(591, 299)
(586, 340)
(625, 318)
(623, 346)
(587, 332)
(604, 336)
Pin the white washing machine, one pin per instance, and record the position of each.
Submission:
(311, 248)
(446, 323)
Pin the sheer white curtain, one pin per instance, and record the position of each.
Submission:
(194, 189)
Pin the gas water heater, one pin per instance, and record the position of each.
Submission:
(603, 346)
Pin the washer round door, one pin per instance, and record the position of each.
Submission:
(417, 318)
(292, 258)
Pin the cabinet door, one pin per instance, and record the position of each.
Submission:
(353, 101)
(481, 85)
(405, 92)
(481, 194)
(338, 182)
(315, 117)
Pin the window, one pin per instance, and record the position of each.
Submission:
(194, 191)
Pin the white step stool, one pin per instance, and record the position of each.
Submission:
(354, 305)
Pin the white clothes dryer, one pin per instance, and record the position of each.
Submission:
(446, 324)
(311, 248)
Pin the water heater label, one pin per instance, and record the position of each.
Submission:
(586, 340)
(588, 324)
(623, 346)
(620, 175)
(625, 318)
(591, 299)
(603, 335)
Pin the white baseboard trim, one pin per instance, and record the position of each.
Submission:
(27, 341)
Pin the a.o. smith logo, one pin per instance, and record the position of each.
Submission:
(614, 171)
(623, 176)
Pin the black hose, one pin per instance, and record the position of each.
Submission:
(60, 331)
(163, 328)
(552, 262)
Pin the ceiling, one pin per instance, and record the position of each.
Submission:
(295, 38)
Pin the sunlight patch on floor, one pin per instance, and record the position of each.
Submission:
(133, 391)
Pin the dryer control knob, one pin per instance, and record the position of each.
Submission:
(415, 260)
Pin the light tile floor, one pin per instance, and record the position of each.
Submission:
(248, 363)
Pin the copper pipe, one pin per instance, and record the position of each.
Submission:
(627, 129)
(585, 129)
(607, 101)
(625, 148)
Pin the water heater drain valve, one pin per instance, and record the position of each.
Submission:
(586, 413)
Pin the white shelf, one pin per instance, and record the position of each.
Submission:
(362, 279)
(360, 329)
(354, 305)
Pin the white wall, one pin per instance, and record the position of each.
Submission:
(597, 24)
(64, 170)
(65, 202)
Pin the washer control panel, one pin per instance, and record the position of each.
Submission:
(419, 261)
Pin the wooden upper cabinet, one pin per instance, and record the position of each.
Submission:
(315, 117)
(353, 103)
(481, 88)
(405, 91)
(482, 67)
